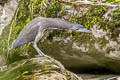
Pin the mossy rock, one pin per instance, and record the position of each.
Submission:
(40, 68)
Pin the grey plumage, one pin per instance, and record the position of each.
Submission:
(34, 30)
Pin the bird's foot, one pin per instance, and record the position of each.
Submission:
(41, 55)
(38, 56)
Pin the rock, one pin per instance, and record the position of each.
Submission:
(100, 77)
(85, 57)
(7, 12)
(41, 68)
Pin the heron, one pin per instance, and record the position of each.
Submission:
(35, 29)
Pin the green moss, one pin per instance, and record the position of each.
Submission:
(55, 10)
(112, 1)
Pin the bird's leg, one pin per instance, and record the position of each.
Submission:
(37, 49)
(21, 52)
(38, 37)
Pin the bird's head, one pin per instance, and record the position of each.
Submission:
(79, 28)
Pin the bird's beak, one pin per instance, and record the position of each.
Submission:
(84, 30)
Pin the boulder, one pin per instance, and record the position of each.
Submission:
(39, 68)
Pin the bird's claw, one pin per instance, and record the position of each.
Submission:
(41, 55)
